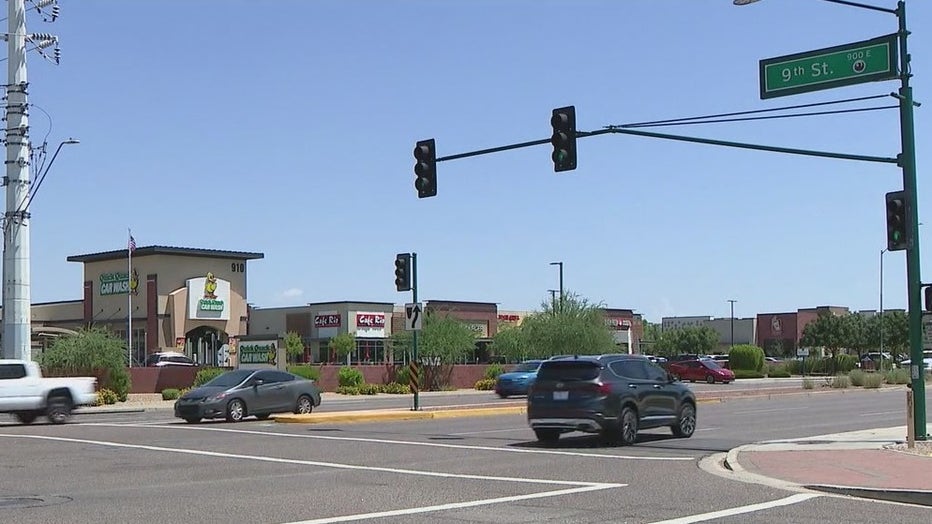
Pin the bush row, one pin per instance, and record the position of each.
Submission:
(373, 389)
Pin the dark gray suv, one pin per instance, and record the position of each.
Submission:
(615, 395)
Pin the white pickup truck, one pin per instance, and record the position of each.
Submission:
(27, 395)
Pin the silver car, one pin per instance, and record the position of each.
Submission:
(237, 394)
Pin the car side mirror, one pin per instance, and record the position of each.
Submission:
(671, 378)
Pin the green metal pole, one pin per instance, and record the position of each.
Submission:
(417, 404)
(907, 162)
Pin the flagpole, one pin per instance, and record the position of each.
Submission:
(129, 295)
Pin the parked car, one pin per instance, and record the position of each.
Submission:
(237, 394)
(614, 395)
(169, 358)
(701, 369)
(926, 361)
(27, 395)
(517, 381)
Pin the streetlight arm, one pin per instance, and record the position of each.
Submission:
(35, 190)
(863, 6)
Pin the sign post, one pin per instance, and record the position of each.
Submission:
(414, 320)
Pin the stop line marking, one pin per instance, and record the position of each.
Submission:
(405, 442)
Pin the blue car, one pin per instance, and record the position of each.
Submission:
(517, 382)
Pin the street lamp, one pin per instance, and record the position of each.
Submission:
(732, 302)
(44, 172)
(907, 162)
(553, 300)
(561, 282)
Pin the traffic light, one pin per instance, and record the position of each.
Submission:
(928, 298)
(896, 221)
(563, 138)
(403, 271)
(425, 168)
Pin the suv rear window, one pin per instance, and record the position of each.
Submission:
(568, 370)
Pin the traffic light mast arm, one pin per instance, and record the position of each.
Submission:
(681, 138)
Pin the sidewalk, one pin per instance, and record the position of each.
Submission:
(871, 463)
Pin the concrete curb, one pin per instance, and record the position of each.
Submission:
(376, 416)
(95, 411)
(919, 497)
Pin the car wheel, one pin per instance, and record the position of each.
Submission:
(26, 417)
(236, 410)
(192, 420)
(686, 422)
(548, 436)
(628, 427)
(59, 410)
(304, 405)
(710, 379)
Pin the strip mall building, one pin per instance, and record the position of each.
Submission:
(195, 301)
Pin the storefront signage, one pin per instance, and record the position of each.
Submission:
(327, 320)
(208, 298)
(508, 318)
(257, 353)
(618, 323)
(370, 320)
(118, 283)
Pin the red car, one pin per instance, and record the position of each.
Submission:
(702, 369)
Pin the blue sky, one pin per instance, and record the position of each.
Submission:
(289, 130)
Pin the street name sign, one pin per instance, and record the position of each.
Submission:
(848, 64)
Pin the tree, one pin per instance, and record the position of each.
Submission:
(441, 336)
(92, 350)
(294, 346)
(895, 332)
(692, 339)
(509, 343)
(857, 329)
(830, 331)
(650, 338)
(342, 345)
(578, 327)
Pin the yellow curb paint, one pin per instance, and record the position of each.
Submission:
(319, 418)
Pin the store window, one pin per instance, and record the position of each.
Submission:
(369, 351)
(139, 344)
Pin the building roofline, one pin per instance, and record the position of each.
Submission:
(164, 250)
(368, 302)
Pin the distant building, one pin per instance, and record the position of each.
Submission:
(670, 323)
(779, 333)
(745, 329)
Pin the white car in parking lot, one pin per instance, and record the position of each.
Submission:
(926, 361)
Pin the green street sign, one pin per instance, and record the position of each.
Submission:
(859, 62)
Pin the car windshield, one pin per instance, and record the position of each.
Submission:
(568, 370)
(229, 379)
(524, 367)
(711, 364)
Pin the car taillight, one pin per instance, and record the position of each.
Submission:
(603, 389)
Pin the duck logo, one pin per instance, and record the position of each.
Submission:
(134, 282)
(210, 287)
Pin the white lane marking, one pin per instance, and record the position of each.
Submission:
(740, 510)
(334, 465)
(580, 487)
(455, 505)
(879, 413)
(408, 443)
(774, 410)
(707, 429)
(487, 431)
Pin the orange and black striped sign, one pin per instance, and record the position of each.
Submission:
(413, 379)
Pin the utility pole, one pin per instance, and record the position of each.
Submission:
(561, 282)
(732, 302)
(17, 300)
(882, 251)
(17, 314)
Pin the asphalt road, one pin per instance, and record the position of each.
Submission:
(145, 467)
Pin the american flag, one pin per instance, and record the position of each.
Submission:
(132, 243)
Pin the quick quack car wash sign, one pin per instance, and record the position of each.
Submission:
(208, 298)
(260, 354)
(118, 283)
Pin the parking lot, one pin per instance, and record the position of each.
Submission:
(149, 467)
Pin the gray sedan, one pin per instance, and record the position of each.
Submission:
(241, 393)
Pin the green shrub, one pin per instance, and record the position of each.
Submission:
(845, 363)
(493, 371)
(840, 382)
(808, 383)
(778, 371)
(369, 389)
(182, 391)
(872, 380)
(897, 376)
(106, 396)
(814, 365)
(395, 388)
(96, 352)
(305, 371)
(486, 384)
(205, 375)
(348, 390)
(746, 357)
(747, 373)
(170, 394)
(350, 376)
(858, 377)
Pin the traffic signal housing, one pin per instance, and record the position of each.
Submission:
(403, 271)
(425, 168)
(896, 221)
(563, 122)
